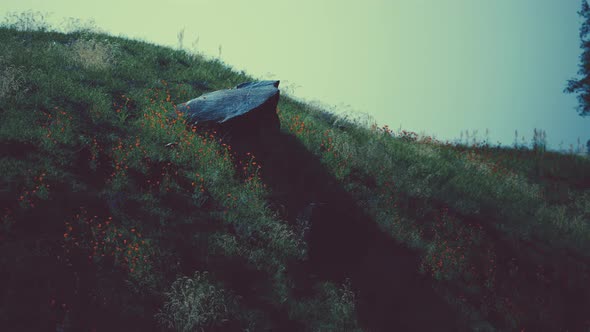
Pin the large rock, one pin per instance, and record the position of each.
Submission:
(249, 108)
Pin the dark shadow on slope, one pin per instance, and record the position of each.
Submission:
(543, 274)
(345, 242)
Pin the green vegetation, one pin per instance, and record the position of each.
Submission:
(105, 226)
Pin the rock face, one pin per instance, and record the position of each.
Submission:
(249, 108)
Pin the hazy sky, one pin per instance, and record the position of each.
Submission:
(437, 66)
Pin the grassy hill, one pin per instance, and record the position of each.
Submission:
(333, 225)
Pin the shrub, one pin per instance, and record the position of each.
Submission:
(332, 310)
(196, 304)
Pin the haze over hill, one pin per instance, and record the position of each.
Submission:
(437, 67)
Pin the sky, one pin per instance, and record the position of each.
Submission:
(433, 67)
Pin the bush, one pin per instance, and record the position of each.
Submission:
(196, 304)
(332, 310)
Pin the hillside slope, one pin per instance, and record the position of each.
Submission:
(331, 225)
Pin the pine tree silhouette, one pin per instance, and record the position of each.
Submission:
(581, 86)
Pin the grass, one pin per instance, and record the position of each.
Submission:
(105, 226)
(487, 221)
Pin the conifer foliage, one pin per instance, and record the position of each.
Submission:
(581, 85)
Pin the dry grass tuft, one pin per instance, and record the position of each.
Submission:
(11, 79)
(93, 54)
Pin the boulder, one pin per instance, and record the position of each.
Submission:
(249, 108)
